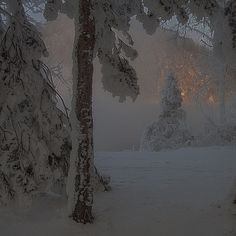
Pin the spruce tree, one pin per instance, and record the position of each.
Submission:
(34, 133)
(170, 130)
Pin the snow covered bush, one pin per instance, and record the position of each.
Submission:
(34, 136)
(170, 130)
(213, 134)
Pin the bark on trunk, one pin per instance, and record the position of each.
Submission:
(84, 48)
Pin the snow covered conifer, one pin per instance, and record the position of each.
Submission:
(172, 99)
(169, 131)
(34, 137)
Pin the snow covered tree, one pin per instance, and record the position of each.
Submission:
(170, 130)
(34, 133)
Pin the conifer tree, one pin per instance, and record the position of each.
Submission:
(169, 131)
(34, 133)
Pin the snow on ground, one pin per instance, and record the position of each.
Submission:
(188, 192)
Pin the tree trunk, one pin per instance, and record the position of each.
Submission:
(222, 98)
(219, 53)
(82, 105)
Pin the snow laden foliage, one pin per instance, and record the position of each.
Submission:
(114, 45)
(203, 11)
(119, 77)
(170, 130)
(9, 7)
(34, 137)
(158, 11)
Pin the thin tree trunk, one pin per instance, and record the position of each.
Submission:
(84, 49)
(222, 99)
(219, 53)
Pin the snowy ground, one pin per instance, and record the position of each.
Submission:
(188, 192)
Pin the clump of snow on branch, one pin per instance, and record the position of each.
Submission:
(118, 76)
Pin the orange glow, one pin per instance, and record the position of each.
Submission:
(211, 99)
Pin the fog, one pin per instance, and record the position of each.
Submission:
(119, 126)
